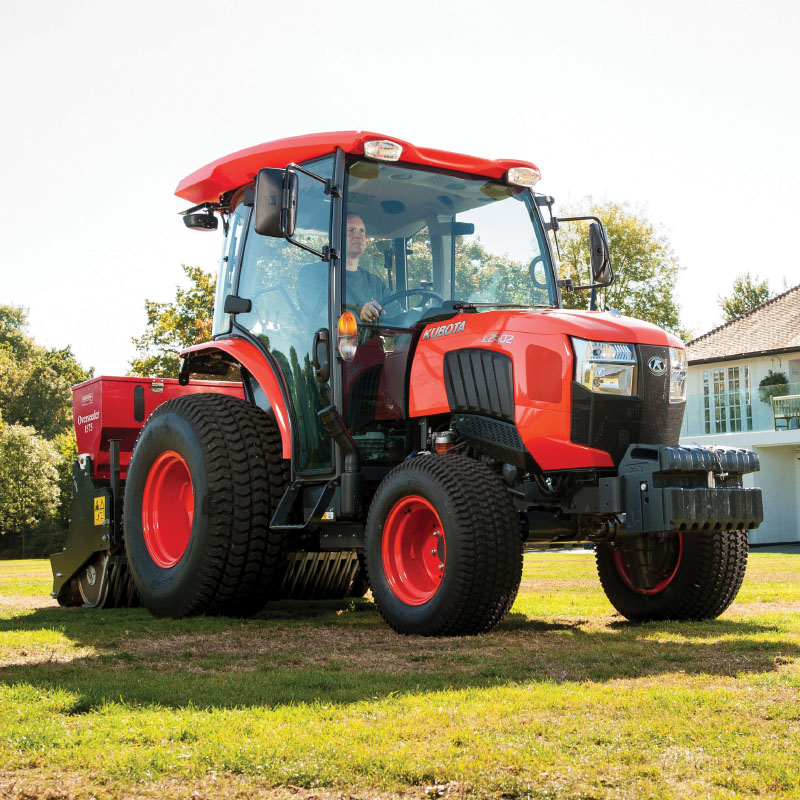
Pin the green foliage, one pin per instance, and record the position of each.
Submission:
(773, 384)
(36, 405)
(645, 267)
(747, 293)
(29, 479)
(34, 381)
(172, 327)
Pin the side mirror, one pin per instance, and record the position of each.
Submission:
(200, 222)
(601, 262)
(275, 211)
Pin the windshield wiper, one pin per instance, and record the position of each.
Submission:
(468, 306)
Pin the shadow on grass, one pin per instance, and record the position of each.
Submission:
(342, 652)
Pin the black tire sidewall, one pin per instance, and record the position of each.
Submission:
(432, 615)
(166, 591)
(668, 603)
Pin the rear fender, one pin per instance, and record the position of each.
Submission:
(249, 357)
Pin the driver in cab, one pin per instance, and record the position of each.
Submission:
(361, 288)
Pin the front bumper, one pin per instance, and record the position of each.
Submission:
(669, 488)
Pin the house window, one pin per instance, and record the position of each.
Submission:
(727, 405)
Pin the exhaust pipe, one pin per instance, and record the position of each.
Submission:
(351, 478)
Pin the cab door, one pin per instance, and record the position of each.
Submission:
(289, 289)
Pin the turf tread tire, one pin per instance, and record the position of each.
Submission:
(480, 586)
(237, 560)
(708, 579)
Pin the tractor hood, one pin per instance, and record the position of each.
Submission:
(595, 325)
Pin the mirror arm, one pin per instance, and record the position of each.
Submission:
(331, 188)
(327, 253)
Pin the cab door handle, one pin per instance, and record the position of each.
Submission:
(320, 356)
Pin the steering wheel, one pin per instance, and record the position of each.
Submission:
(397, 296)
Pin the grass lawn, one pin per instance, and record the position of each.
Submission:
(564, 700)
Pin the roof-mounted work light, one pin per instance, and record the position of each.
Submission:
(383, 150)
(523, 176)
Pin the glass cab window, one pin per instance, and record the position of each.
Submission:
(431, 239)
(288, 289)
(231, 252)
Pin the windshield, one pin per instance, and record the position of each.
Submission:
(418, 240)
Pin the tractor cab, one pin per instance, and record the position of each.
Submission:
(415, 244)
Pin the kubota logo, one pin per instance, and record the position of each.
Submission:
(444, 330)
(657, 365)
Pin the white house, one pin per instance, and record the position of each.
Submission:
(724, 405)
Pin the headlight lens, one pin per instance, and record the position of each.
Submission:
(678, 369)
(605, 367)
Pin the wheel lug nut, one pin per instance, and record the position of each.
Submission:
(434, 551)
(441, 566)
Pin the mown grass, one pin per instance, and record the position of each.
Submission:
(565, 699)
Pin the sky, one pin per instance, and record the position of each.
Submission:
(687, 111)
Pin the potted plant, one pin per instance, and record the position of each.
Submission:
(774, 384)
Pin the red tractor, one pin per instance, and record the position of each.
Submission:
(408, 406)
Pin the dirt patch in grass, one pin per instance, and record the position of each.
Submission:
(376, 649)
(791, 607)
(21, 657)
(57, 785)
(559, 649)
(26, 602)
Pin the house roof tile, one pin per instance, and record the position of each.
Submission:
(774, 325)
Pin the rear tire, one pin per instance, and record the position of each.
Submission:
(697, 578)
(204, 480)
(443, 547)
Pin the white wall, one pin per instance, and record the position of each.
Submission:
(779, 480)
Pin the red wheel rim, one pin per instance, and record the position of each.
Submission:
(413, 550)
(666, 572)
(167, 509)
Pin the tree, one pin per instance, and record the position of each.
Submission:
(172, 327)
(34, 381)
(747, 293)
(645, 267)
(29, 480)
(39, 440)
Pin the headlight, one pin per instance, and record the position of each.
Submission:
(607, 367)
(677, 374)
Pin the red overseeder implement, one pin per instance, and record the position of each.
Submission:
(410, 407)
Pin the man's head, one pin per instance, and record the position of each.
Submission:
(356, 233)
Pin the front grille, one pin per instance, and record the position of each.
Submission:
(611, 423)
(480, 382)
(661, 420)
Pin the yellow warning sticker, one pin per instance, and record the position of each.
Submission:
(99, 510)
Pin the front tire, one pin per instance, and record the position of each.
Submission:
(204, 479)
(443, 547)
(694, 576)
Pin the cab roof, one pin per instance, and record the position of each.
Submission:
(208, 183)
